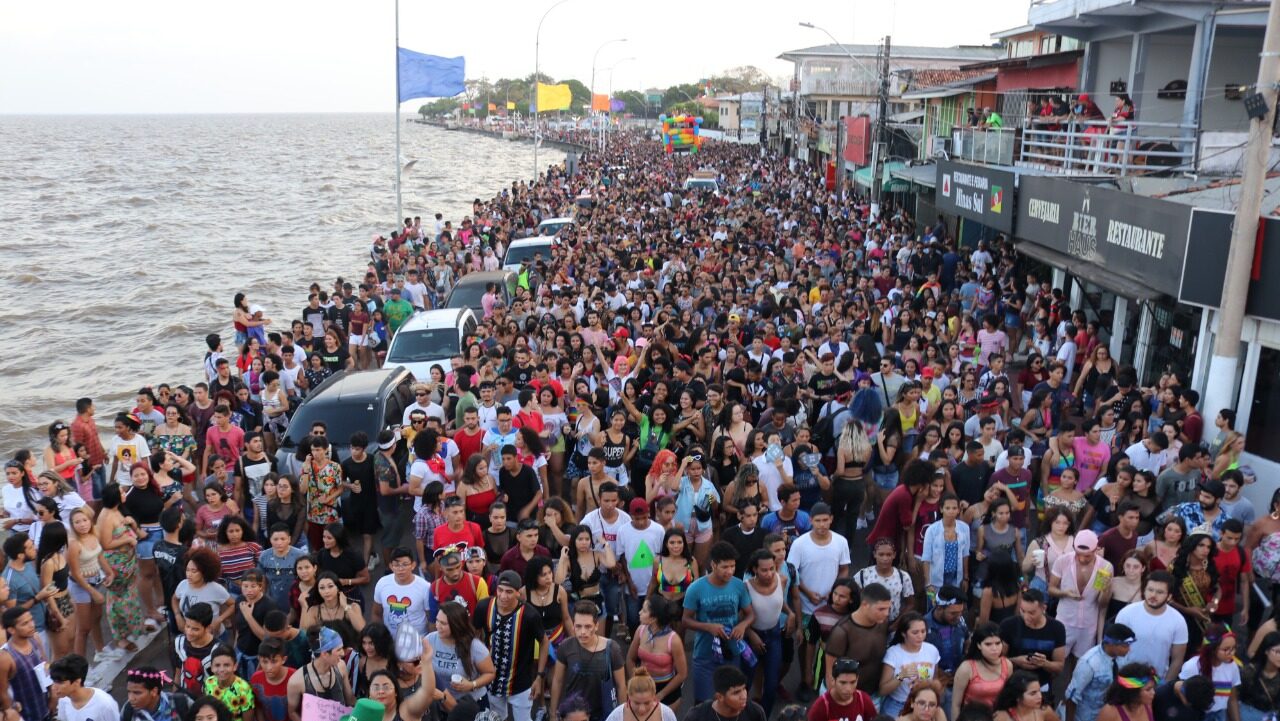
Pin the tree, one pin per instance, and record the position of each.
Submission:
(741, 79)
(581, 95)
(442, 106)
(680, 94)
(635, 102)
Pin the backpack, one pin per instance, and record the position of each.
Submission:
(1266, 558)
(824, 433)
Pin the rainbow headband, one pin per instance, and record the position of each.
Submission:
(1133, 681)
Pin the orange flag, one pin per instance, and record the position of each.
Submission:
(600, 102)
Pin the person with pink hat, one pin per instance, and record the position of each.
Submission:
(1082, 583)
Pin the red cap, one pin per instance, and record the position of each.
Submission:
(622, 333)
(926, 373)
(638, 505)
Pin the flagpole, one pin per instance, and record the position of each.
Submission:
(399, 207)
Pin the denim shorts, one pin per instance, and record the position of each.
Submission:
(151, 535)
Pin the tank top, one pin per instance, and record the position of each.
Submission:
(661, 666)
(90, 568)
(478, 503)
(552, 614)
(67, 454)
(332, 692)
(614, 452)
(983, 690)
(24, 687)
(668, 585)
(768, 607)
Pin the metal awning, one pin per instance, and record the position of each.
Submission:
(923, 175)
(888, 184)
(1114, 282)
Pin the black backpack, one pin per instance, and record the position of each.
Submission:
(824, 436)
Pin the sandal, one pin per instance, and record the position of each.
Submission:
(128, 647)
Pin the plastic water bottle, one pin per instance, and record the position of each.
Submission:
(747, 654)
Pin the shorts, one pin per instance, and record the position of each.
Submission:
(703, 536)
(1080, 640)
(357, 340)
(80, 594)
(147, 543)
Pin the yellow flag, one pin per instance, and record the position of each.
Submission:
(511, 105)
(553, 97)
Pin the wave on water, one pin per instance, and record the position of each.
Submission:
(168, 217)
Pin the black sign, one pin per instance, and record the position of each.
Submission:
(976, 192)
(1207, 263)
(1140, 238)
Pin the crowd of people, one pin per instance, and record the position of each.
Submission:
(725, 455)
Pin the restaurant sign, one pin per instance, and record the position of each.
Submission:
(976, 192)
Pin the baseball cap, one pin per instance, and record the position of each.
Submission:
(638, 505)
(926, 373)
(1086, 540)
(510, 579)
(820, 509)
(329, 640)
(622, 333)
(1017, 452)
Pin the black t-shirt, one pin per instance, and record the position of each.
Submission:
(520, 488)
(348, 565)
(732, 391)
(144, 505)
(705, 712)
(1168, 707)
(515, 666)
(520, 376)
(745, 544)
(246, 642)
(362, 473)
(1023, 640)
(970, 482)
(169, 565)
(823, 385)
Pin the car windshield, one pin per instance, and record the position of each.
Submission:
(547, 229)
(341, 420)
(519, 253)
(415, 346)
(466, 295)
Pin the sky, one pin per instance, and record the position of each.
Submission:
(240, 56)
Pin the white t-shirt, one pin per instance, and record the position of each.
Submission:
(403, 603)
(127, 453)
(1156, 635)
(922, 664)
(16, 506)
(771, 479)
(818, 565)
(641, 551)
(1226, 676)
(620, 711)
(606, 530)
(101, 707)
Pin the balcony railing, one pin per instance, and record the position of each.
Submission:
(1098, 148)
(992, 146)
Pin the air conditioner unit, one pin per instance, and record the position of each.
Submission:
(939, 147)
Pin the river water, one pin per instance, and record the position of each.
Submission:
(124, 238)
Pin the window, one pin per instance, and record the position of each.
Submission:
(1068, 44)
(1048, 44)
(417, 346)
(1263, 435)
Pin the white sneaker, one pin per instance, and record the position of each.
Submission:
(862, 523)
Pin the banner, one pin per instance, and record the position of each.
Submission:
(511, 105)
(857, 141)
(976, 192)
(492, 107)
(617, 106)
(600, 102)
(428, 76)
(1140, 238)
(315, 708)
(553, 97)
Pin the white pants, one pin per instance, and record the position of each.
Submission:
(513, 708)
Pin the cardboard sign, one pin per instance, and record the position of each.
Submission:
(315, 708)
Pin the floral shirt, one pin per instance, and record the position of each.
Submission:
(317, 483)
(238, 697)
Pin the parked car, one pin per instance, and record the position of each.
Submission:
(469, 289)
(431, 337)
(552, 226)
(519, 250)
(347, 402)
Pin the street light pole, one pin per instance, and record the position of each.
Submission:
(604, 137)
(537, 48)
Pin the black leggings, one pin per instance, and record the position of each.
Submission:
(847, 497)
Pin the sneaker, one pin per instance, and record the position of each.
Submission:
(374, 561)
(862, 523)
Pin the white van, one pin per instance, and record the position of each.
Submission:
(552, 226)
(430, 337)
(526, 248)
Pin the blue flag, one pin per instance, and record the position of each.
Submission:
(429, 76)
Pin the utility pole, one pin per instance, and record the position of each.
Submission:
(838, 156)
(877, 172)
(1223, 367)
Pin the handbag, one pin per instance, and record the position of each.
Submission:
(608, 689)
